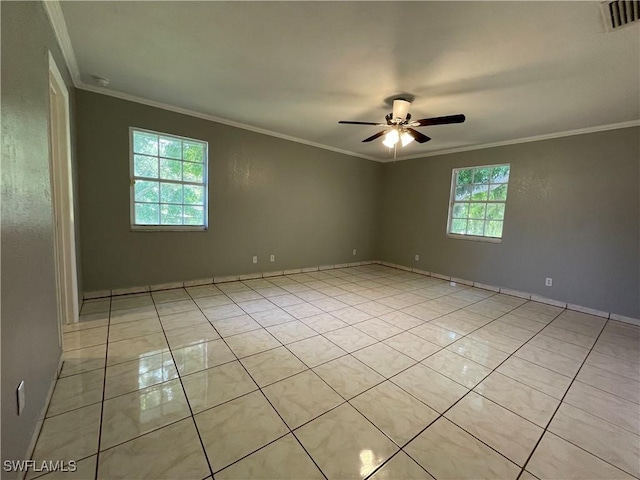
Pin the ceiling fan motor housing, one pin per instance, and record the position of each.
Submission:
(399, 126)
(400, 110)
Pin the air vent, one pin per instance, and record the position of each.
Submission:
(620, 13)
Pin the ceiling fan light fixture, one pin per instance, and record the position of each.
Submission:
(399, 128)
(406, 138)
(391, 138)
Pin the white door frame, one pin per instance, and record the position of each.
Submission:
(62, 198)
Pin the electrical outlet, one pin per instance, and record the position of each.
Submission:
(354, 251)
(548, 282)
(272, 258)
(417, 258)
(21, 398)
(255, 259)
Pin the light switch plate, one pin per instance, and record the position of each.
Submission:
(21, 397)
(255, 259)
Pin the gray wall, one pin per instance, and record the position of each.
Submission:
(306, 205)
(29, 314)
(572, 214)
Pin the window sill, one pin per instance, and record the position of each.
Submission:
(165, 228)
(474, 238)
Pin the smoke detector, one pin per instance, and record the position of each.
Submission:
(101, 81)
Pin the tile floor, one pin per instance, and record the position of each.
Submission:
(348, 373)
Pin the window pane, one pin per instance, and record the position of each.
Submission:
(170, 193)
(146, 191)
(480, 192)
(494, 229)
(171, 214)
(193, 172)
(498, 192)
(170, 147)
(459, 226)
(463, 193)
(146, 143)
(193, 152)
(161, 165)
(479, 197)
(145, 166)
(500, 174)
(476, 210)
(460, 210)
(464, 176)
(194, 195)
(170, 169)
(481, 175)
(495, 211)
(146, 214)
(193, 215)
(475, 227)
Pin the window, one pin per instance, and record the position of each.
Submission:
(168, 182)
(478, 199)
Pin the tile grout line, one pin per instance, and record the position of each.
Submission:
(560, 404)
(345, 401)
(283, 345)
(333, 408)
(184, 391)
(348, 353)
(46, 416)
(263, 395)
(104, 390)
(348, 401)
(417, 362)
(442, 415)
(607, 392)
(403, 331)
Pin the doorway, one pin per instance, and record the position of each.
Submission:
(62, 198)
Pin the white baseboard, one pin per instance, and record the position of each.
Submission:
(516, 293)
(622, 318)
(250, 276)
(221, 279)
(43, 413)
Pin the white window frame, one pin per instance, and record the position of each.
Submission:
(133, 178)
(452, 196)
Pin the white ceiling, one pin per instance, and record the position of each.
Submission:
(515, 69)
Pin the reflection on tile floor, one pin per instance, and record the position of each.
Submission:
(348, 373)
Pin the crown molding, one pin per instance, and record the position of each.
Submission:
(56, 18)
(224, 121)
(516, 141)
(54, 12)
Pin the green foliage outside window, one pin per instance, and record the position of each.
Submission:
(169, 180)
(478, 203)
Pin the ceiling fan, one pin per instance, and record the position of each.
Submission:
(400, 127)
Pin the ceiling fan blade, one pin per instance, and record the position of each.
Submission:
(417, 136)
(377, 135)
(362, 123)
(439, 120)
